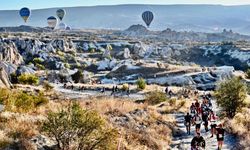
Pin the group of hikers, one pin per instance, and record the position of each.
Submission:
(203, 113)
(115, 90)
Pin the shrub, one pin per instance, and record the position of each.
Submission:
(248, 74)
(20, 101)
(66, 65)
(141, 84)
(231, 95)
(155, 97)
(37, 61)
(125, 87)
(28, 79)
(77, 77)
(40, 67)
(47, 86)
(76, 128)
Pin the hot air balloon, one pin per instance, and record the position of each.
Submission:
(147, 17)
(60, 13)
(52, 22)
(62, 26)
(25, 13)
(68, 28)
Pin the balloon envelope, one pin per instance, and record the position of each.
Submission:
(25, 13)
(68, 28)
(52, 22)
(148, 17)
(62, 26)
(60, 13)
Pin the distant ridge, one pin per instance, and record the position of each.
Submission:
(198, 18)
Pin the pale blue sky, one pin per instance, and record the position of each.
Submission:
(37, 4)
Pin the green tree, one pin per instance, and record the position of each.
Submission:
(231, 95)
(76, 128)
(77, 77)
(141, 84)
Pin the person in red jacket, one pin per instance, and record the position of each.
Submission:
(197, 106)
(220, 132)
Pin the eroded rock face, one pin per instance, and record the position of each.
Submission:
(199, 80)
(63, 45)
(140, 50)
(4, 78)
(9, 52)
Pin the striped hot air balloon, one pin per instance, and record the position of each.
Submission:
(60, 13)
(147, 17)
(52, 22)
(25, 13)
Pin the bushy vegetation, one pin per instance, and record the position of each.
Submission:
(141, 84)
(231, 95)
(77, 77)
(76, 128)
(20, 101)
(125, 87)
(155, 97)
(30, 79)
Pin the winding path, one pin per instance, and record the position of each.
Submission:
(182, 141)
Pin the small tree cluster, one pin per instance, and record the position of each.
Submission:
(30, 79)
(76, 128)
(231, 95)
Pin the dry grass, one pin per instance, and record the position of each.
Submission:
(157, 135)
(240, 125)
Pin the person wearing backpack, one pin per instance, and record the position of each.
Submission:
(188, 119)
(197, 121)
(213, 122)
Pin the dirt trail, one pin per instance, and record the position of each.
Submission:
(182, 141)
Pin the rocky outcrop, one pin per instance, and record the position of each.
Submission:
(4, 78)
(24, 70)
(200, 80)
(63, 45)
(9, 52)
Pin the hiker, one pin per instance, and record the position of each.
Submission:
(116, 89)
(188, 119)
(64, 85)
(197, 121)
(198, 142)
(103, 90)
(213, 120)
(170, 93)
(128, 92)
(220, 136)
(205, 114)
(113, 90)
(192, 110)
(166, 90)
(197, 106)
